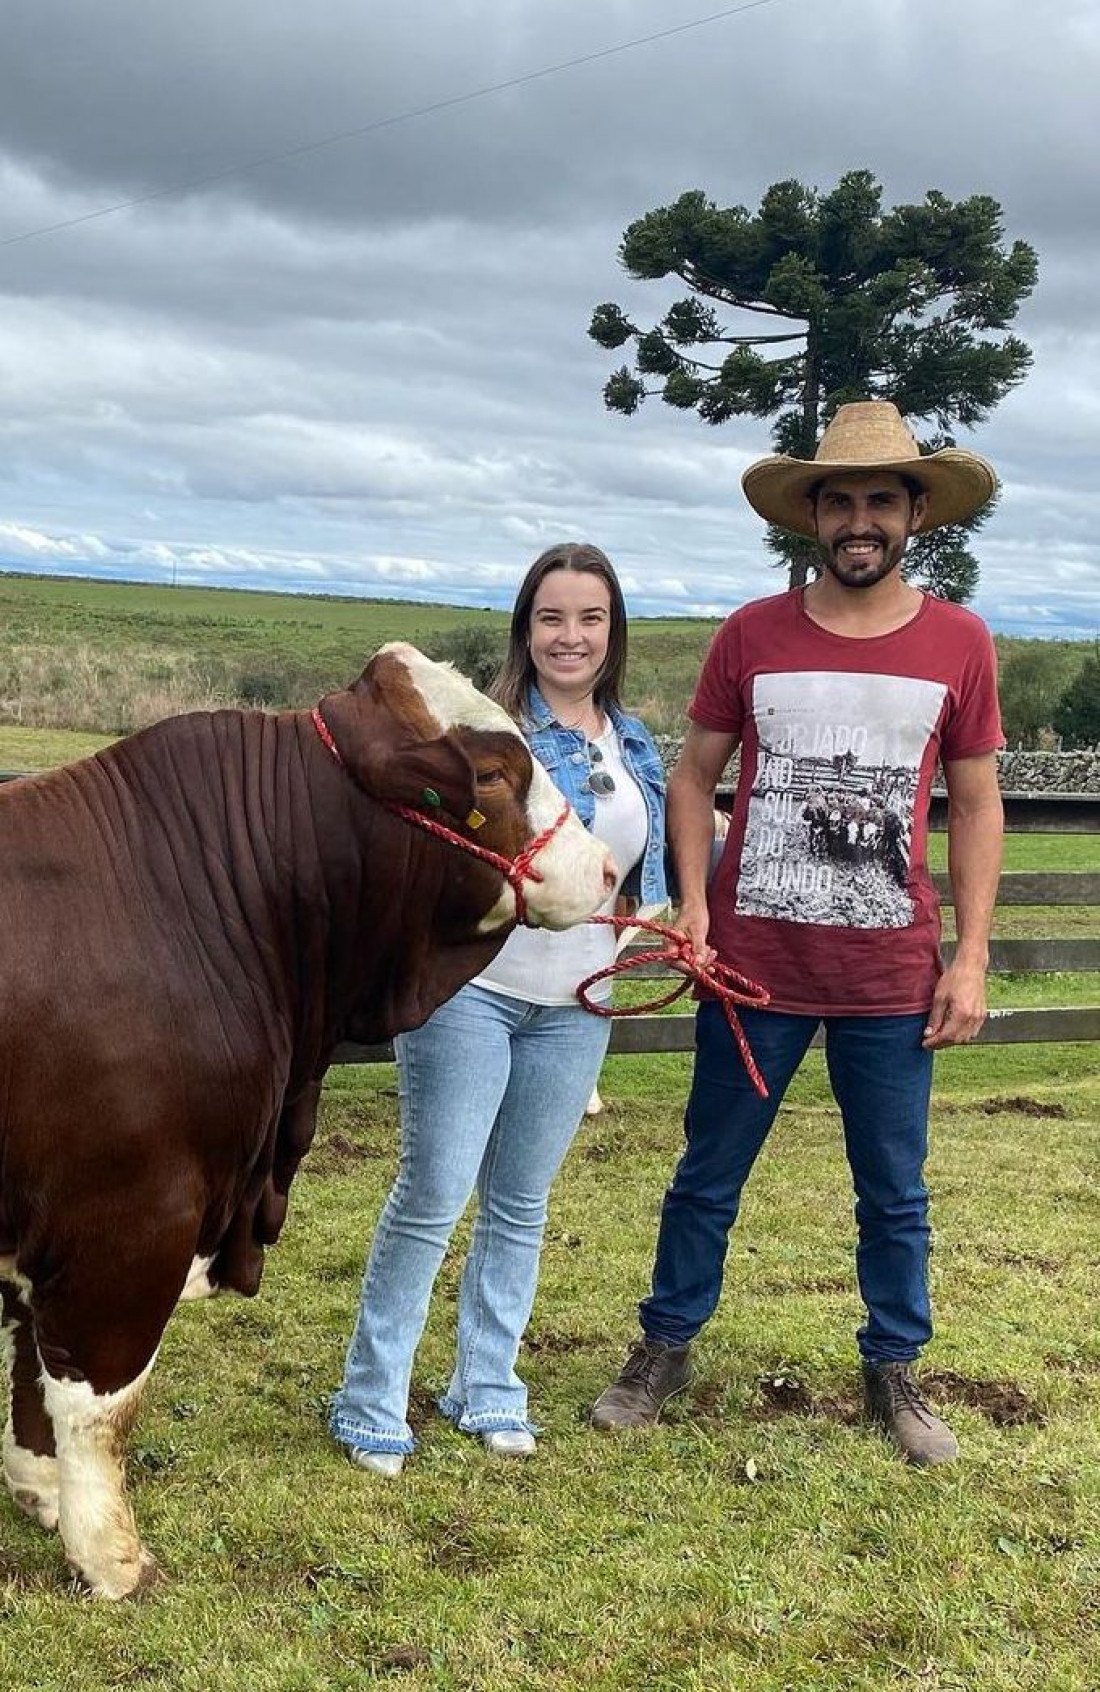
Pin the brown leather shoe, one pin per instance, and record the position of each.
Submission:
(652, 1374)
(893, 1399)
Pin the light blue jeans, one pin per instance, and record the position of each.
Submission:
(492, 1091)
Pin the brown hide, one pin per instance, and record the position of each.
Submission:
(192, 921)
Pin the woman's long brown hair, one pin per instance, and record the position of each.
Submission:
(516, 675)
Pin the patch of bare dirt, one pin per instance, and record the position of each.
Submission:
(465, 1547)
(706, 1402)
(1021, 1105)
(1002, 1402)
(422, 1406)
(403, 1659)
(337, 1153)
(1072, 1365)
(545, 1342)
(1011, 1259)
(783, 1394)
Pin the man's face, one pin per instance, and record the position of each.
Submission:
(862, 524)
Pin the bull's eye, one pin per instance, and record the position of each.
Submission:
(490, 778)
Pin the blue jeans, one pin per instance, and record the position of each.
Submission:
(882, 1080)
(492, 1091)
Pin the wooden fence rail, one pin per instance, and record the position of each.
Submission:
(1025, 814)
(1051, 813)
(676, 1033)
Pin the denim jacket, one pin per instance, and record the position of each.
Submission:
(563, 754)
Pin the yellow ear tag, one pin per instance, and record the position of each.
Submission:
(474, 820)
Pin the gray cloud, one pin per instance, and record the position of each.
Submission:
(366, 368)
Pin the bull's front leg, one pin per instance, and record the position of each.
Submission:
(96, 1521)
(99, 1324)
(30, 1458)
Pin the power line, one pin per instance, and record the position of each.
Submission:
(385, 123)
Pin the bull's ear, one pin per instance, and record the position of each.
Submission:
(395, 759)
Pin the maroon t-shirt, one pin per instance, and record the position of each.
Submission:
(823, 893)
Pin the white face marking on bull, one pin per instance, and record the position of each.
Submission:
(572, 865)
(96, 1522)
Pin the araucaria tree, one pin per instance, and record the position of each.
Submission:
(909, 304)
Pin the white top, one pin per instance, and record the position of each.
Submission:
(543, 966)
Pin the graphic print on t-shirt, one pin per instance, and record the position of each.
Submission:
(830, 819)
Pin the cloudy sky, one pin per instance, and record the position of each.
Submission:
(363, 367)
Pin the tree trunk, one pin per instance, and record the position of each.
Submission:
(797, 565)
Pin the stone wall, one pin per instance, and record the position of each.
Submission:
(1050, 772)
(1020, 772)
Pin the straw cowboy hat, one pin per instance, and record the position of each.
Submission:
(871, 435)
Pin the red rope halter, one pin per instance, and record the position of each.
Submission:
(719, 979)
(515, 870)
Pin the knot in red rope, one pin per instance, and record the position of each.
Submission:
(515, 870)
(717, 979)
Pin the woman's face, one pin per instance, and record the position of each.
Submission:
(569, 630)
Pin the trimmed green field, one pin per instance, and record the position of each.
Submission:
(762, 1538)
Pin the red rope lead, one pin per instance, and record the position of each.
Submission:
(718, 979)
(724, 983)
(516, 870)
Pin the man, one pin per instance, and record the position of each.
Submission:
(839, 693)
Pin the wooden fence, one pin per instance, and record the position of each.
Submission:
(1057, 813)
(1050, 813)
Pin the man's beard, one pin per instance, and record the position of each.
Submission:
(853, 575)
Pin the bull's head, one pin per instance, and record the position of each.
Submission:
(417, 733)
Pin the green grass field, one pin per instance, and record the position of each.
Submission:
(762, 1538)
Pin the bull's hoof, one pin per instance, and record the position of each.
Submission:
(126, 1579)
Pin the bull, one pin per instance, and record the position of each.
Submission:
(191, 922)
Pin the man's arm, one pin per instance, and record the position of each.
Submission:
(975, 828)
(691, 787)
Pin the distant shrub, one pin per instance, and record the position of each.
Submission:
(1077, 714)
(477, 649)
(1029, 684)
(278, 682)
(99, 690)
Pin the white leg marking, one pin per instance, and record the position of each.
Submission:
(198, 1283)
(96, 1522)
(8, 1272)
(32, 1480)
(29, 1476)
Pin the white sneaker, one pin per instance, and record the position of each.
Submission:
(509, 1442)
(389, 1463)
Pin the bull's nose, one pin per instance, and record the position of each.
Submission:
(610, 874)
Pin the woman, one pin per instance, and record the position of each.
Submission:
(493, 1086)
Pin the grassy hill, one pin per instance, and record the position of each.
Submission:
(107, 657)
(104, 658)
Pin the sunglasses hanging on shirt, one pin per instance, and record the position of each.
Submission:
(599, 781)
